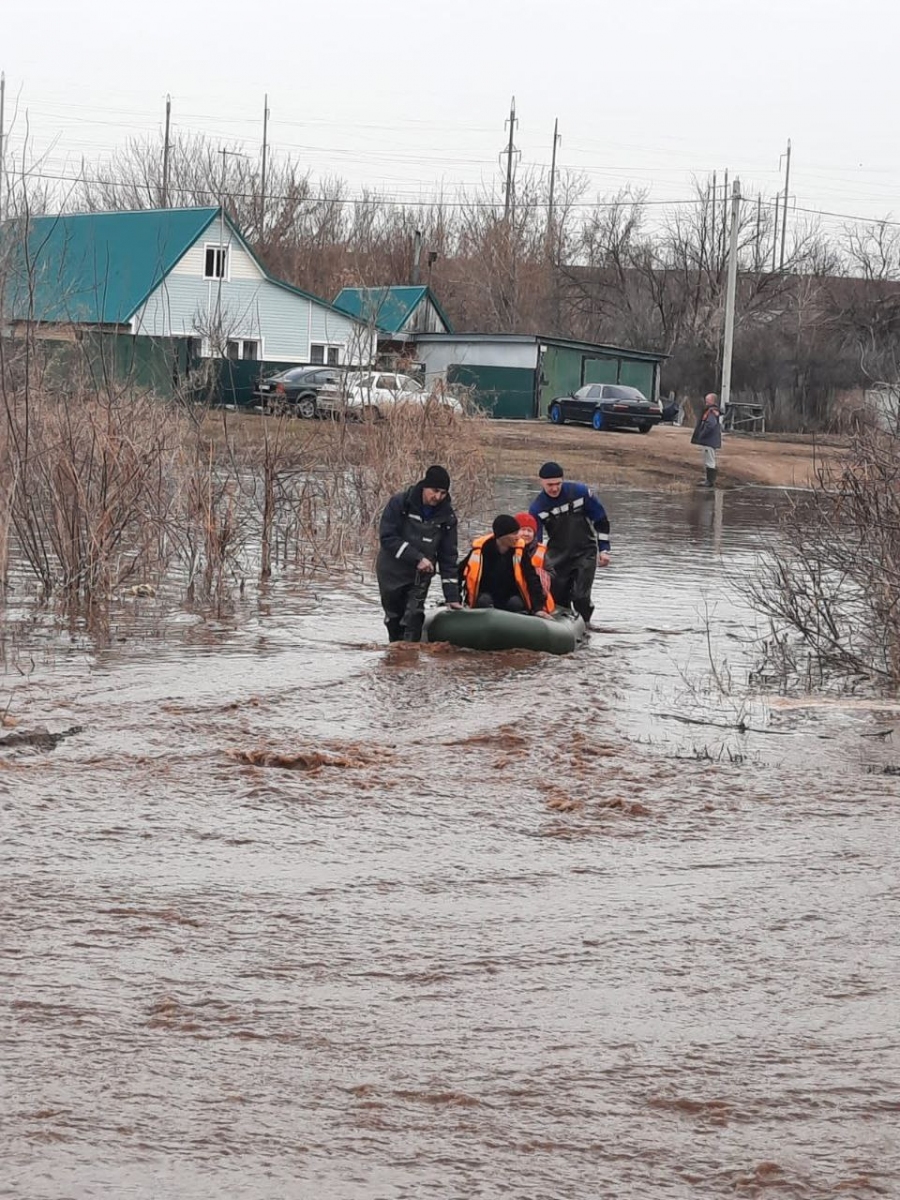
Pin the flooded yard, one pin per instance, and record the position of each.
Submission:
(297, 915)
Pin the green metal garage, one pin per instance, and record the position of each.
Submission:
(518, 375)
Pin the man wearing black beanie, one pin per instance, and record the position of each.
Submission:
(417, 534)
(498, 573)
(577, 531)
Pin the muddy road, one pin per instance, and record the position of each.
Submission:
(295, 915)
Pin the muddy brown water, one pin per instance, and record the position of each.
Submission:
(297, 916)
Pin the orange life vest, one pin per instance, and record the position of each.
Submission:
(475, 565)
(538, 554)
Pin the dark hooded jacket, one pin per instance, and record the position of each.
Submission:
(708, 431)
(408, 532)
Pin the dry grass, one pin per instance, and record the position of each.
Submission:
(106, 487)
(663, 460)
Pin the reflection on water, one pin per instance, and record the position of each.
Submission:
(484, 925)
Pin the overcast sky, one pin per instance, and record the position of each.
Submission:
(407, 97)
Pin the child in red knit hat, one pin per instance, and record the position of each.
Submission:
(527, 532)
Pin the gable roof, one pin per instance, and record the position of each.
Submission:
(100, 268)
(97, 267)
(389, 307)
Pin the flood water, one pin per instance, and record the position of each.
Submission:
(295, 915)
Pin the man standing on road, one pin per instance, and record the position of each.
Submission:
(708, 434)
(577, 530)
(417, 534)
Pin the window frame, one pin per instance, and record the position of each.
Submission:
(240, 341)
(327, 349)
(225, 248)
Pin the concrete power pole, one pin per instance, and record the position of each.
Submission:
(262, 179)
(165, 181)
(787, 185)
(731, 288)
(556, 140)
(510, 151)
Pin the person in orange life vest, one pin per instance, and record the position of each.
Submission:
(537, 552)
(497, 572)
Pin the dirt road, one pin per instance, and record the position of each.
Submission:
(662, 459)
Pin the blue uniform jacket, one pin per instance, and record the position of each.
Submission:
(575, 504)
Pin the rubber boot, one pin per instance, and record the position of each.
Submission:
(711, 473)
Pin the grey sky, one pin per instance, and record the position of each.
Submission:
(402, 97)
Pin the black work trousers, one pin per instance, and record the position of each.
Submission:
(510, 604)
(404, 608)
(571, 580)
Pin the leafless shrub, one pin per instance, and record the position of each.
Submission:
(833, 588)
(90, 485)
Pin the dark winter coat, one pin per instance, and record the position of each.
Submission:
(708, 431)
(407, 534)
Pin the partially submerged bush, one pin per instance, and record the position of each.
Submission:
(105, 486)
(833, 587)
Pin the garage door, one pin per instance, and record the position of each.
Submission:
(601, 370)
(638, 375)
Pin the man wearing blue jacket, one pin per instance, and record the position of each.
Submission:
(577, 532)
(708, 434)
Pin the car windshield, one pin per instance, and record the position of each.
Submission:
(294, 375)
(409, 385)
(618, 392)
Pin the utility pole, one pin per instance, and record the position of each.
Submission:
(556, 140)
(510, 151)
(775, 234)
(416, 274)
(712, 223)
(165, 184)
(787, 192)
(262, 179)
(2, 139)
(730, 290)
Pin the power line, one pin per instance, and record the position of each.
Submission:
(374, 199)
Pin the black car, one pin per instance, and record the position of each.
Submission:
(607, 406)
(296, 389)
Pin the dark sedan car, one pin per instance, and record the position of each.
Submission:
(607, 406)
(296, 389)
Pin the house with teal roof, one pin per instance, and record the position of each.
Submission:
(182, 274)
(399, 314)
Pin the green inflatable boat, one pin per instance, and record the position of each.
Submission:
(494, 629)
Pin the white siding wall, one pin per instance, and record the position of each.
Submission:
(438, 356)
(193, 262)
(246, 305)
(424, 318)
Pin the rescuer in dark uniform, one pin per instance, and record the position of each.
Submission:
(577, 531)
(418, 536)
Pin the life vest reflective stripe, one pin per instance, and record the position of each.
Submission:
(538, 555)
(475, 566)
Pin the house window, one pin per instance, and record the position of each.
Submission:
(216, 265)
(235, 349)
(321, 355)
